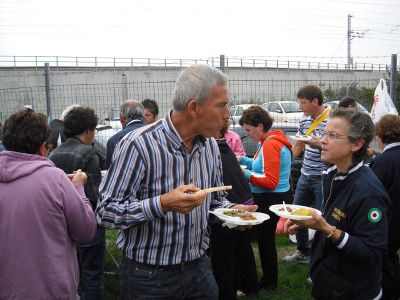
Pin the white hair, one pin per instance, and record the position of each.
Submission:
(196, 83)
(67, 110)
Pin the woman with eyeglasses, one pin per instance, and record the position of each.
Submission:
(351, 237)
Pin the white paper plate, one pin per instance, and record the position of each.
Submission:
(303, 138)
(219, 212)
(278, 210)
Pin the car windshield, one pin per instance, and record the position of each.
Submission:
(291, 107)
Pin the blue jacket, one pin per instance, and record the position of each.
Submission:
(113, 141)
(356, 203)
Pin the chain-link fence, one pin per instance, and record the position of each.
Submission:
(105, 96)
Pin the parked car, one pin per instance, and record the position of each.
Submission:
(103, 134)
(250, 146)
(335, 104)
(284, 111)
(113, 119)
(236, 112)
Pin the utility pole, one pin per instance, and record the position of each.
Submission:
(349, 36)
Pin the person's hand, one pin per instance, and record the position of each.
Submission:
(182, 199)
(249, 208)
(315, 142)
(238, 157)
(79, 177)
(317, 222)
(290, 228)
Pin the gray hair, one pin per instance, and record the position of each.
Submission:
(196, 83)
(132, 110)
(361, 127)
(67, 110)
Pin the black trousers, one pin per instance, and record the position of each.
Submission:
(265, 233)
(233, 261)
(91, 266)
(391, 274)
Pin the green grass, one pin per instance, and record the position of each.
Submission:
(292, 277)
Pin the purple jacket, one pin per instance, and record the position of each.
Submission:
(42, 214)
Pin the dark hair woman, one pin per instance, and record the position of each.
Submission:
(42, 214)
(268, 173)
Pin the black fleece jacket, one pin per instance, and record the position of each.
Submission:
(356, 203)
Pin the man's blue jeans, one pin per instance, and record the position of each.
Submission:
(192, 281)
(308, 192)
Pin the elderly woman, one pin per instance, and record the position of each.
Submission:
(42, 214)
(269, 175)
(387, 168)
(351, 237)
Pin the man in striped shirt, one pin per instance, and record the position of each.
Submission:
(309, 186)
(150, 193)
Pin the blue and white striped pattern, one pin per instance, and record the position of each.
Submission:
(148, 163)
(312, 164)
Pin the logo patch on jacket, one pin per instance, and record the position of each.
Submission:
(374, 215)
(338, 214)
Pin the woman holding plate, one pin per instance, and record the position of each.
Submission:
(351, 237)
(268, 173)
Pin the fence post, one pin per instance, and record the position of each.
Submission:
(393, 77)
(48, 94)
(222, 63)
(124, 87)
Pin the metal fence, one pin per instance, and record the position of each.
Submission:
(219, 62)
(105, 96)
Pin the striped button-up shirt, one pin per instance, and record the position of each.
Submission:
(148, 163)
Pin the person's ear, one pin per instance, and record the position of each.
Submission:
(355, 146)
(193, 108)
(43, 151)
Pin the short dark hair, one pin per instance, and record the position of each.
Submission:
(388, 129)
(310, 92)
(347, 101)
(78, 120)
(151, 105)
(360, 127)
(25, 131)
(255, 115)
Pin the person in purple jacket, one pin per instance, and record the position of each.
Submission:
(42, 214)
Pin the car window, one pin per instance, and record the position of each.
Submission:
(290, 107)
(274, 107)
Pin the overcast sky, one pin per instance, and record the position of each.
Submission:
(201, 29)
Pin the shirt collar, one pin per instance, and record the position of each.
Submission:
(387, 147)
(133, 121)
(174, 136)
(343, 176)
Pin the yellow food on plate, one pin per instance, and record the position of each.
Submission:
(301, 212)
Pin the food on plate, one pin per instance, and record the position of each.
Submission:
(288, 209)
(301, 212)
(297, 212)
(245, 215)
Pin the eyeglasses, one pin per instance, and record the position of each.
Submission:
(334, 136)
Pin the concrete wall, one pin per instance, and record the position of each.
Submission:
(24, 77)
(104, 88)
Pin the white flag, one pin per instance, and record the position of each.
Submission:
(383, 104)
